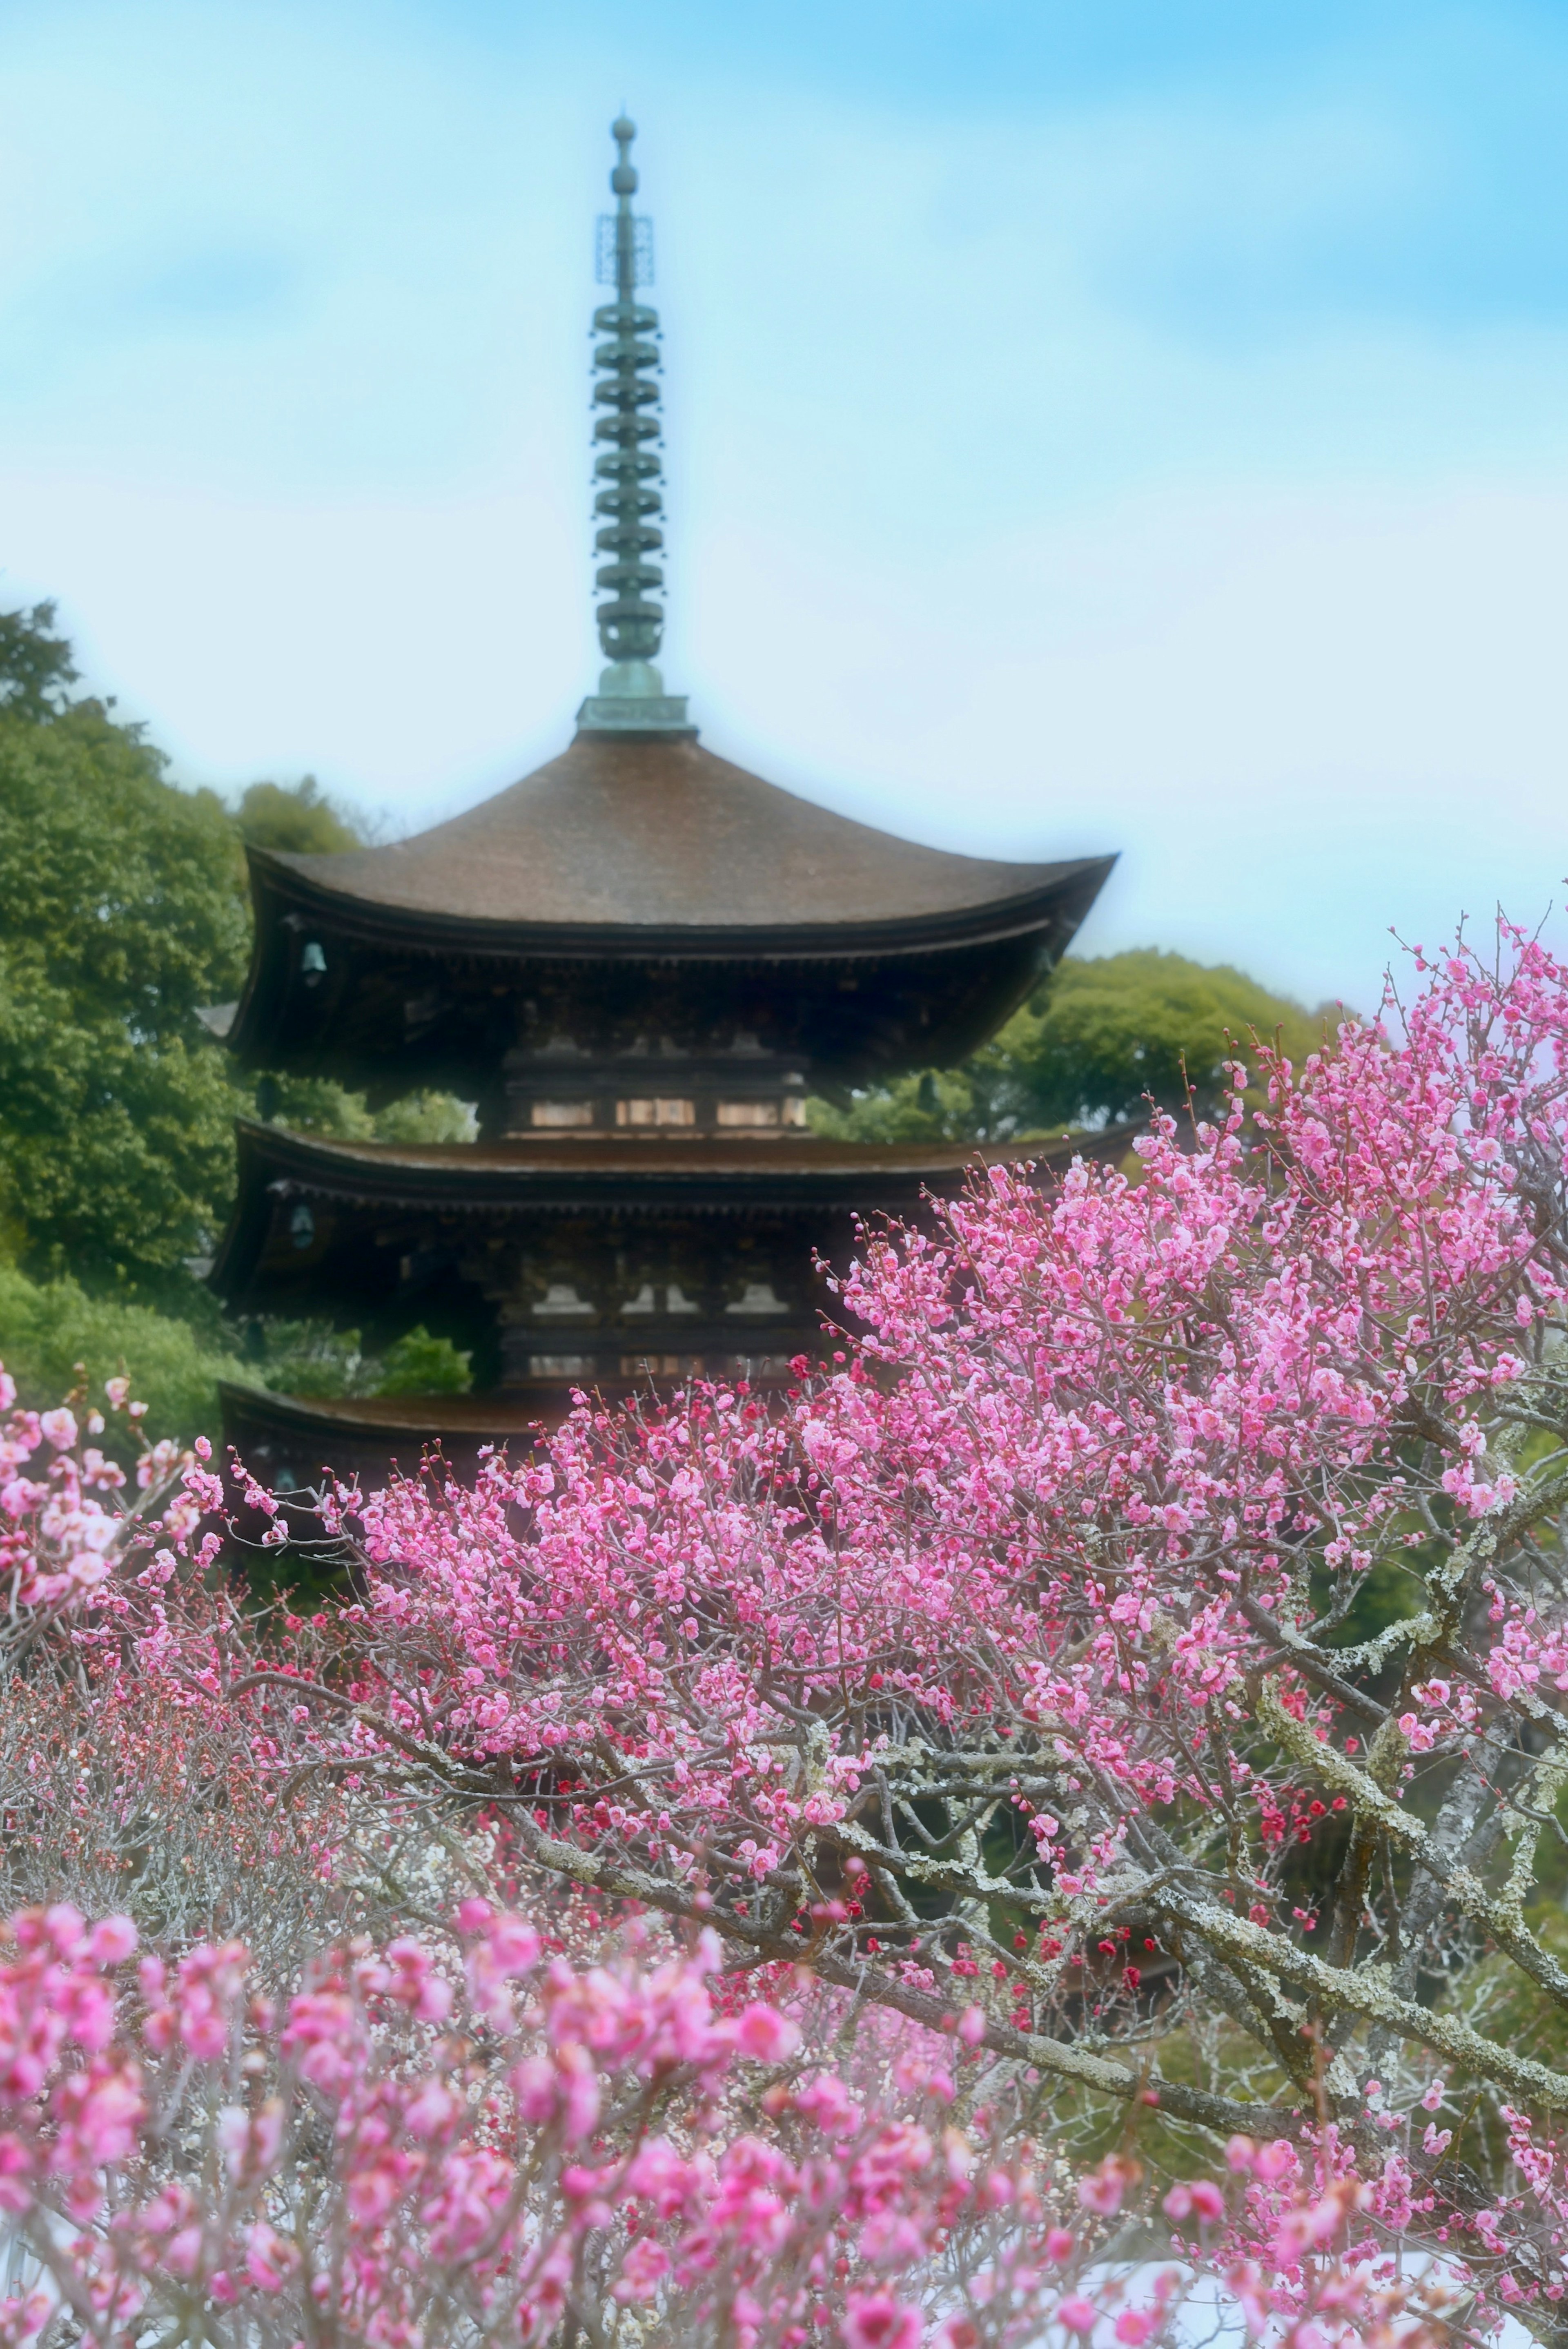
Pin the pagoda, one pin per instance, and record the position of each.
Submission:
(638, 962)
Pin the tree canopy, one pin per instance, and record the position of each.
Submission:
(1097, 1038)
(122, 916)
(300, 819)
(36, 668)
(123, 913)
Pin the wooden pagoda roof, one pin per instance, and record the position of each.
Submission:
(658, 836)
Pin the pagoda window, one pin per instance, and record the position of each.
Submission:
(663, 1111)
(757, 1299)
(661, 1366)
(561, 1302)
(559, 1114)
(646, 1300)
(561, 1366)
(762, 1116)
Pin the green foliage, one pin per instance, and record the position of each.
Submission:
(303, 821)
(120, 915)
(122, 912)
(313, 1358)
(426, 1117)
(1106, 1033)
(48, 1328)
(1090, 1044)
(308, 1357)
(317, 1105)
(35, 666)
(420, 1364)
(938, 1105)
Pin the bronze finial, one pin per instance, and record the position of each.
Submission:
(629, 504)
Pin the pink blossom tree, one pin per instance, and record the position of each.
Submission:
(1137, 1664)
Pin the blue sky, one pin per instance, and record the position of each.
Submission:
(1139, 427)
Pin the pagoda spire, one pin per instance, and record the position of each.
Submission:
(629, 505)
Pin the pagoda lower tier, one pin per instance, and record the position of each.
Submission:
(287, 1440)
(559, 1264)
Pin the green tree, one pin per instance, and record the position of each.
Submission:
(301, 820)
(35, 666)
(48, 1329)
(418, 1363)
(426, 1117)
(1088, 1049)
(320, 1106)
(120, 916)
(123, 914)
(1105, 1034)
(936, 1105)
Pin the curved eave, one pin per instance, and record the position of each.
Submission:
(411, 930)
(484, 1419)
(367, 1436)
(1051, 906)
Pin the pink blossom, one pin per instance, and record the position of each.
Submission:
(112, 1940)
(875, 2319)
(766, 2036)
(270, 2261)
(1103, 2191)
(642, 2271)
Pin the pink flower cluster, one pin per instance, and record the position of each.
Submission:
(59, 1541)
(475, 2140)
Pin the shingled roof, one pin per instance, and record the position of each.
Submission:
(658, 834)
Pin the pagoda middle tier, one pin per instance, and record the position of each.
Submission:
(566, 1262)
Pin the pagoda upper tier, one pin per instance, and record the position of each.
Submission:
(639, 897)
